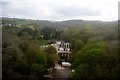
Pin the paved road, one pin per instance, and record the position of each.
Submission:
(63, 74)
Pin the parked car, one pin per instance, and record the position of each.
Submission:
(66, 64)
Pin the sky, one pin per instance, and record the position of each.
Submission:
(59, 10)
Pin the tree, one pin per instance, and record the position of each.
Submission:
(95, 56)
(77, 45)
(48, 33)
(83, 71)
(52, 56)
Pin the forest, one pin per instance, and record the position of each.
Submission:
(94, 46)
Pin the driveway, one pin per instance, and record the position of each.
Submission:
(63, 73)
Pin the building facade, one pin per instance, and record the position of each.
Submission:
(63, 50)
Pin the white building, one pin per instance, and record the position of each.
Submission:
(63, 49)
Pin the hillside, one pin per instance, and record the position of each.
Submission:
(94, 47)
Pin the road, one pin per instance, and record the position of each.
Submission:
(62, 73)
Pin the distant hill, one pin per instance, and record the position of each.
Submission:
(65, 27)
(45, 23)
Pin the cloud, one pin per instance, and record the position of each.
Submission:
(76, 11)
(60, 9)
(17, 11)
(4, 3)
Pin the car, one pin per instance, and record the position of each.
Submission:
(48, 77)
(66, 64)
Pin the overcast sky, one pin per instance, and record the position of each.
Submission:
(105, 10)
